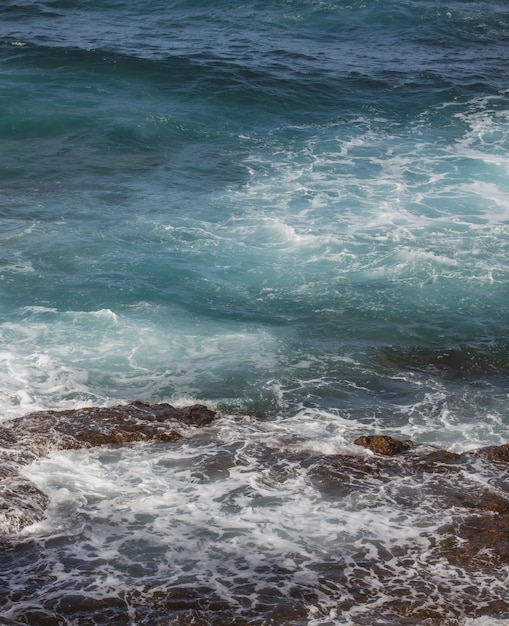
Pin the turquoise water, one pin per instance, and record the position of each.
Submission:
(297, 210)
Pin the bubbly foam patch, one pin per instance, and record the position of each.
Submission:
(248, 524)
(68, 359)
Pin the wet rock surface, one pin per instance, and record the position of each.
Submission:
(487, 359)
(382, 444)
(39, 433)
(474, 542)
(25, 439)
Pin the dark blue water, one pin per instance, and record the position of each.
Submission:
(294, 209)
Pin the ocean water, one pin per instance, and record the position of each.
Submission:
(295, 212)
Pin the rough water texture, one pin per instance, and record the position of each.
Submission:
(295, 213)
(24, 439)
(476, 539)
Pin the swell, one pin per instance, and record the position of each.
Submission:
(279, 83)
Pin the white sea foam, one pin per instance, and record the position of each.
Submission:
(18, 267)
(52, 359)
(230, 516)
(486, 621)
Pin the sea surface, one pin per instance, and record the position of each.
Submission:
(295, 212)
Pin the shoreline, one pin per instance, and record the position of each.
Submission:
(475, 541)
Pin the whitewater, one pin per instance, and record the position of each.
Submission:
(297, 214)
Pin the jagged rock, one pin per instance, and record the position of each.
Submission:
(494, 453)
(88, 427)
(474, 538)
(21, 502)
(479, 540)
(24, 439)
(382, 444)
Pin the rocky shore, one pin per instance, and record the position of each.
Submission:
(476, 539)
(25, 439)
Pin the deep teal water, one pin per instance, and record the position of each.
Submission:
(247, 204)
(297, 209)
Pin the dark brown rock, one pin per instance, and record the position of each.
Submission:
(475, 539)
(478, 540)
(494, 453)
(438, 461)
(83, 605)
(21, 503)
(339, 475)
(382, 444)
(89, 427)
(24, 439)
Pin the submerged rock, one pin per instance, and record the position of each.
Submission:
(464, 359)
(479, 540)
